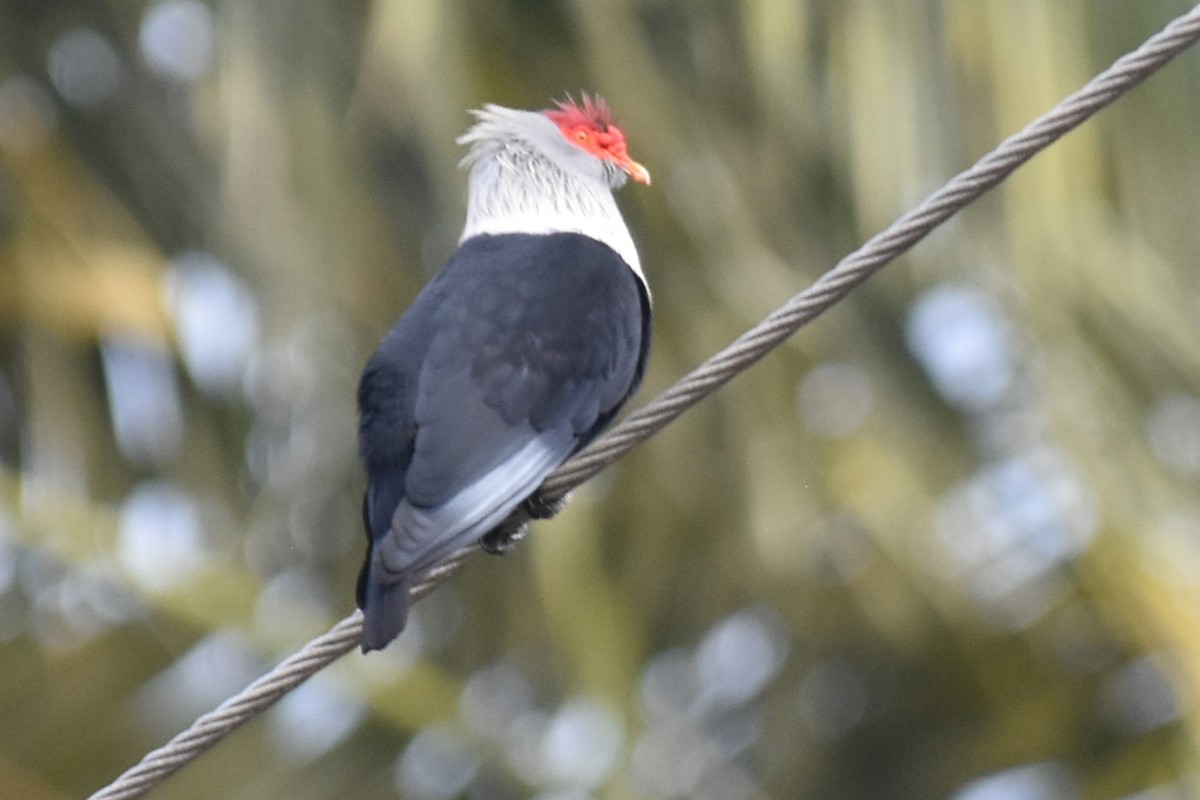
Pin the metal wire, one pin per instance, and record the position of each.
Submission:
(747, 349)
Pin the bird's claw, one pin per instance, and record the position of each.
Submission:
(544, 508)
(504, 537)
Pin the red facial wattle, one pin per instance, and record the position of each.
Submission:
(591, 129)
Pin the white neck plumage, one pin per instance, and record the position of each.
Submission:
(514, 189)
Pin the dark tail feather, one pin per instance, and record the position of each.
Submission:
(385, 607)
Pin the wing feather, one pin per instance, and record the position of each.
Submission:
(422, 536)
(512, 359)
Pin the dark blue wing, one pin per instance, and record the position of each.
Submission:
(514, 357)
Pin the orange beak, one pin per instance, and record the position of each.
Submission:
(635, 170)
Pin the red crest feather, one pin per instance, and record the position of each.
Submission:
(593, 111)
(589, 126)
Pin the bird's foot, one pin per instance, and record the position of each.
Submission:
(543, 508)
(504, 537)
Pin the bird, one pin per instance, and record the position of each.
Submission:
(518, 352)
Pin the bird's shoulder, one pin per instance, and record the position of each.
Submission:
(545, 325)
(539, 298)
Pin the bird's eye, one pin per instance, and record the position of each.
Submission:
(581, 136)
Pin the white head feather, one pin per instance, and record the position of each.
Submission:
(525, 177)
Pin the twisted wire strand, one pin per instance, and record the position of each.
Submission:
(262, 693)
(830, 288)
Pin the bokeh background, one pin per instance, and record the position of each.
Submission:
(945, 543)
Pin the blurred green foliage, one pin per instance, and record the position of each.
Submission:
(945, 543)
